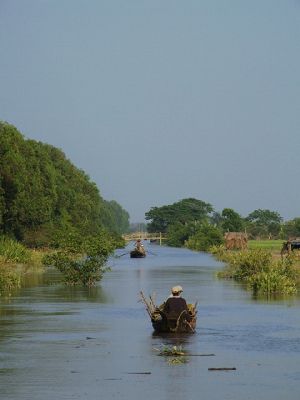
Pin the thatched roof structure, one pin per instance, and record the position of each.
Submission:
(236, 240)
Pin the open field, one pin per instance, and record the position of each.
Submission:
(272, 245)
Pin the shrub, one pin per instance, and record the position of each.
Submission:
(85, 266)
(250, 262)
(86, 271)
(272, 281)
(219, 251)
(177, 234)
(259, 271)
(205, 237)
(13, 252)
(8, 280)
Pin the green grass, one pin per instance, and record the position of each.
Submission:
(9, 280)
(13, 252)
(274, 245)
(260, 270)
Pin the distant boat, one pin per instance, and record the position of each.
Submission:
(137, 253)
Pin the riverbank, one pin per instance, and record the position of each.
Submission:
(274, 246)
(264, 271)
(13, 267)
(81, 260)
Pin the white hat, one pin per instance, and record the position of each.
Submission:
(177, 289)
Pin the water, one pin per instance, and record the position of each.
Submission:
(63, 343)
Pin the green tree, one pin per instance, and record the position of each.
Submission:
(82, 260)
(178, 233)
(291, 228)
(116, 217)
(216, 219)
(184, 211)
(264, 223)
(43, 195)
(205, 236)
(231, 221)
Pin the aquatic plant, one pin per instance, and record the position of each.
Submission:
(13, 252)
(271, 282)
(178, 361)
(177, 353)
(218, 251)
(172, 351)
(260, 271)
(84, 267)
(280, 277)
(9, 280)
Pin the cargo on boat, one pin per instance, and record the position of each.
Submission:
(160, 323)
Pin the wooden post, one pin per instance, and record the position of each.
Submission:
(160, 238)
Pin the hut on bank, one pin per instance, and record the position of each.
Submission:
(236, 240)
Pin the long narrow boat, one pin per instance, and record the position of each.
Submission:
(162, 324)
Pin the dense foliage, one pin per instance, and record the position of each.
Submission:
(291, 228)
(264, 223)
(9, 280)
(259, 270)
(43, 195)
(184, 211)
(179, 233)
(205, 236)
(13, 252)
(185, 221)
(82, 260)
(231, 221)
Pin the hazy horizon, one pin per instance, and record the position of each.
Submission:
(160, 101)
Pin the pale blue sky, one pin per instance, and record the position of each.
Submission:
(162, 100)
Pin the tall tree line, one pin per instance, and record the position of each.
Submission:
(190, 221)
(43, 195)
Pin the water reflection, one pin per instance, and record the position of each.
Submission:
(78, 294)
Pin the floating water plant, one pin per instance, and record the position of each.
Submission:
(9, 280)
(172, 351)
(176, 352)
(260, 271)
(178, 361)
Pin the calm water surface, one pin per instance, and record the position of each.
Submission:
(61, 343)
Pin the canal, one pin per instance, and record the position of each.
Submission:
(79, 343)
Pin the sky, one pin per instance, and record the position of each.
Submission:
(162, 100)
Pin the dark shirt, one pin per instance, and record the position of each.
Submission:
(174, 306)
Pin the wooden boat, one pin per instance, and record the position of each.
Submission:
(137, 254)
(162, 324)
(180, 325)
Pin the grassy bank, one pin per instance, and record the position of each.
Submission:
(260, 270)
(13, 255)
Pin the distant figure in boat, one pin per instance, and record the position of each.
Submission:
(139, 246)
(139, 250)
(176, 306)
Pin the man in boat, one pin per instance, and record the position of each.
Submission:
(139, 246)
(176, 306)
